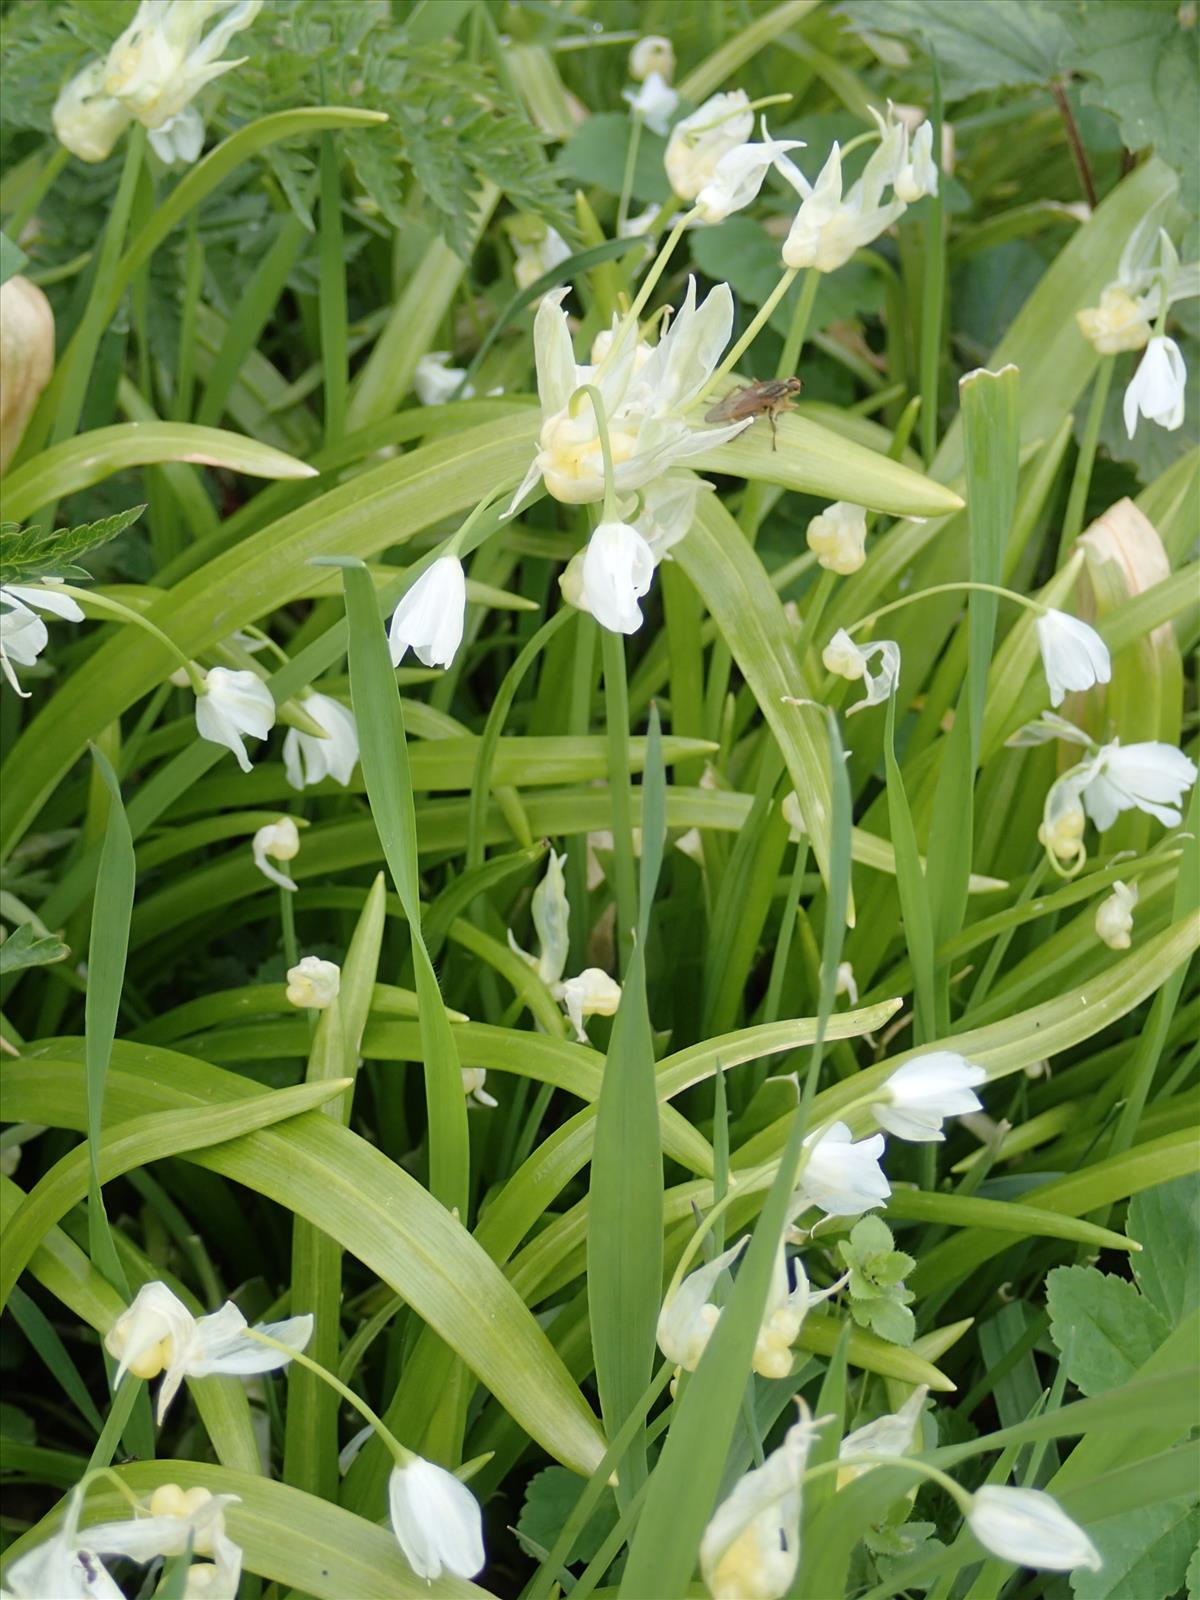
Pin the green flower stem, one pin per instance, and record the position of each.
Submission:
(743, 344)
(609, 510)
(789, 358)
(872, 617)
(287, 917)
(37, 192)
(655, 273)
(457, 544)
(635, 138)
(401, 1456)
(1081, 482)
(114, 608)
(922, 1468)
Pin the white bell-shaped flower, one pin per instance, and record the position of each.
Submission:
(173, 1520)
(313, 984)
(436, 382)
(653, 53)
(473, 1080)
(837, 537)
(1118, 323)
(1074, 655)
(916, 171)
(232, 705)
(592, 994)
(751, 1547)
(23, 634)
(918, 1096)
(646, 400)
(551, 912)
(1157, 389)
(66, 1566)
(1030, 1528)
(841, 1177)
(431, 615)
(277, 841)
(159, 1334)
(1114, 916)
(308, 759)
(1150, 777)
(654, 101)
(890, 1435)
(738, 176)
(161, 62)
(537, 253)
(436, 1520)
(829, 226)
(616, 570)
(845, 659)
(698, 142)
(688, 1315)
(87, 120)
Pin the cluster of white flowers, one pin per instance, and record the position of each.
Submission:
(151, 75)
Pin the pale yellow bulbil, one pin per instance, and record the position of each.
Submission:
(26, 358)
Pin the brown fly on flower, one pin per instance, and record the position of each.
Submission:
(762, 397)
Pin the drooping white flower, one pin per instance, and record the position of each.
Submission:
(591, 994)
(1030, 1528)
(688, 1316)
(783, 1316)
(436, 1520)
(551, 912)
(313, 983)
(916, 172)
(1074, 655)
(738, 176)
(653, 53)
(1118, 323)
(890, 1435)
(431, 615)
(654, 101)
(234, 704)
(1149, 776)
(1157, 389)
(615, 571)
(277, 841)
(698, 142)
(157, 1333)
(436, 382)
(1114, 916)
(920, 1094)
(829, 226)
(751, 1547)
(161, 62)
(838, 537)
(845, 659)
(846, 983)
(539, 249)
(66, 1566)
(307, 759)
(23, 634)
(645, 400)
(173, 1518)
(841, 1177)
(87, 120)
(473, 1080)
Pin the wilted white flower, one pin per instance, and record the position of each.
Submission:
(738, 176)
(277, 841)
(313, 983)
(592, 994)
(654, 102)
(845, 659)
(307, 759)
(698, 142)
(1074, 655)
(436, 382)
(1114, 916)
(751, 1547)
(645, 402)
(87, 120)
(159, 1334)
(688, 1315)
(615, 571)
(916, 174)
(431, 615)
(551, 912)
(234, 704)
(654, 53)
(845, 983)
(23, 634)
(1062, 828)
(837, 537)
(537, 253)
(923, 1092)
(1118, 323)
(436, 1520)
(173, 1519)
(784, 1314)
(473, 1080)
(1030, 1528)
(1156, 390)
(829, 227)
(841, 1177)
(890, 1435)
(65, 1566)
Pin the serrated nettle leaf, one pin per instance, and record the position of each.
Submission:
(33, 553)
(23, 947)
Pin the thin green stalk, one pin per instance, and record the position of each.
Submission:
(761, 317)
(287, 918)
(1084, 461)
(635, 138)
(933, 286)
(789, 358)
(193, 284)
(616, 697)
(38, 190)
(332, 306)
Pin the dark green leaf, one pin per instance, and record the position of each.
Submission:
(25, 948)
(1105, 1329)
